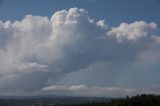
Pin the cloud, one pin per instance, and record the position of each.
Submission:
(134, 31)
(36, 51)
(72, 88)
(83, 90)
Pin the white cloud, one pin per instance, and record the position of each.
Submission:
(55, 88)
(78, 87)
(102, 24)
(83, 90)
(42, 46)
(37, 51)
(71, 88)
(134, 31)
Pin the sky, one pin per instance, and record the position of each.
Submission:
(79, 47)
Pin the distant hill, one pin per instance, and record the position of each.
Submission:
(139, 100)
(48, 99)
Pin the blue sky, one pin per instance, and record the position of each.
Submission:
(114, 11)
(79, 47)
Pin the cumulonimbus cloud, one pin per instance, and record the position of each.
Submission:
(36, 51)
